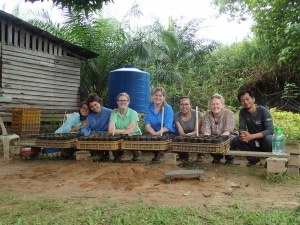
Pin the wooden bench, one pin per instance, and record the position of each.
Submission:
(178, 173)
(275, 163)
(257, 154)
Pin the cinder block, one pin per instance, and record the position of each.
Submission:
(292, 147)
(15, 150)
(294, 160)
(83, 155)
(170, 158)
(276, 165)
(294, 170)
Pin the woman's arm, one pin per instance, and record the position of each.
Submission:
(179, 128)
(147, 122)
(83, 124)
(85, 130)
(168, 118)
(128, 130)
(149, 129)
(112, 124)
(67, 126)
(163, 130)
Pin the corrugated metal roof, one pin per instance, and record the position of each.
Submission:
(74, 48)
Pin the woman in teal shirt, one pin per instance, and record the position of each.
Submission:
(76, 121)
(124, 121)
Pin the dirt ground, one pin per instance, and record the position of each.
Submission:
(224, 186)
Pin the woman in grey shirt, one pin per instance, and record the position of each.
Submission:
(185, 122)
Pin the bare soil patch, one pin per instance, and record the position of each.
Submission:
(224, 186)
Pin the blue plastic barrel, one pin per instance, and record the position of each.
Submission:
(133, 81)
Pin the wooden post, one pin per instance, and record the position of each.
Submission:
(6, 149)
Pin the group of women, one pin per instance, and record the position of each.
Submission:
(160, 119)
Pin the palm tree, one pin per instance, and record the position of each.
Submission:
(175, 54)
(104, 36)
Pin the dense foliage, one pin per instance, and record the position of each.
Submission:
(276, 30)
(175, 57)
(184, 64)
(277, 23)
(289, 122)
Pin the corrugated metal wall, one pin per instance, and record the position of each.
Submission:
(39, 80)
(36, 73)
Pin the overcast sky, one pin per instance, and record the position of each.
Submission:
(212, 28)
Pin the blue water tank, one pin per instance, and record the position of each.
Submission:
(133, 81)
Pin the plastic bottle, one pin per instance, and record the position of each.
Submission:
(278, 141)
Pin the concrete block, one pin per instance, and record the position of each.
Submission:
(82, 155)
(294, 170)
(170, 158)
(292, 147)
(276, 165)
(294, 160)
(15, 150)
(178, 173)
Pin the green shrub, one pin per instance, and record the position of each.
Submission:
(289, 123)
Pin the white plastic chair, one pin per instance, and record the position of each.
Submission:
(6, 138)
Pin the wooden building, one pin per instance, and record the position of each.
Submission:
(38, 70)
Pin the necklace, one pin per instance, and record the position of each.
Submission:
(216, 121)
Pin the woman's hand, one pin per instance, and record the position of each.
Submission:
(84, 123)
(129, 126)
